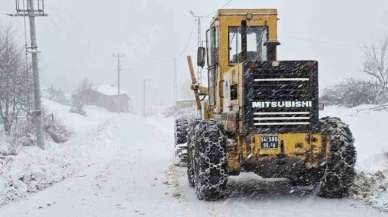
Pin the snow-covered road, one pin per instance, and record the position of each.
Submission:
(136, 178)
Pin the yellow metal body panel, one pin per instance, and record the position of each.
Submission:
(296, 145)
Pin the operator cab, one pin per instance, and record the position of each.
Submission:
(236, 36)
(260, 36)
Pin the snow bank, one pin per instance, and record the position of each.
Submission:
(33, 169)
(372, 189)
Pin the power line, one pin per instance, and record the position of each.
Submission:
(199, 39)
(199, 31)
(188, 40)
(227, 3)
(223, 6)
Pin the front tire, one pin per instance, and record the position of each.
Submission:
(210, 161)
(339, 169)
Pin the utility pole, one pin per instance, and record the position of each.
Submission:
(35, 8)
(199, 39)
(145, 97)
(175, 85)
(118, 56)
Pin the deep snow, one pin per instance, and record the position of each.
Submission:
(121, 165)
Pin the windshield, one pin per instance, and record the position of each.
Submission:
(256, 39)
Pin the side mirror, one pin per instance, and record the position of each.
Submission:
(201, 57)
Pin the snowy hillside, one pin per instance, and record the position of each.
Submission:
(121, 165)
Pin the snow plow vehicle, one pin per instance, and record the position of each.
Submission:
(261, 115)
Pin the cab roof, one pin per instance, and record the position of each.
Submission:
(239, 12)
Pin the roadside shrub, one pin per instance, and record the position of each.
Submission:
(353, 93)
(24, 133)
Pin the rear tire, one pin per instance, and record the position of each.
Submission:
(339, 173)
(181, 126)
(180, 132)
(210, 161)
(190, 152)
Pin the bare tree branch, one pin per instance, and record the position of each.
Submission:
(375, 62)
(14, 84)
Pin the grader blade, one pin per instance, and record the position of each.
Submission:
(194, 84)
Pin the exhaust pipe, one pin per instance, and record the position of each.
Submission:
(272, 50)
(244, 41)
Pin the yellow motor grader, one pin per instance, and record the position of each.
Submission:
(259, 114)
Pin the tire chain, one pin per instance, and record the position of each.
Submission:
(210, 160)
(339, 170)
(190, 154)
(181, 127)
(181, 134)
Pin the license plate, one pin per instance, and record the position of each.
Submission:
(269, 142)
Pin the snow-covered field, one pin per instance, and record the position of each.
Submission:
(121, 165)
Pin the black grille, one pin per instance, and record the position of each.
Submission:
(281, 97)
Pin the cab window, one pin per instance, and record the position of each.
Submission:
(256, 39)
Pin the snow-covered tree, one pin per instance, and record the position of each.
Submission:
(14, 82)
(77, 102)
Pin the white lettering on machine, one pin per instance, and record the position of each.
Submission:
(282, 104)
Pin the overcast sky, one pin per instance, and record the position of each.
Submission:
(78, 38)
